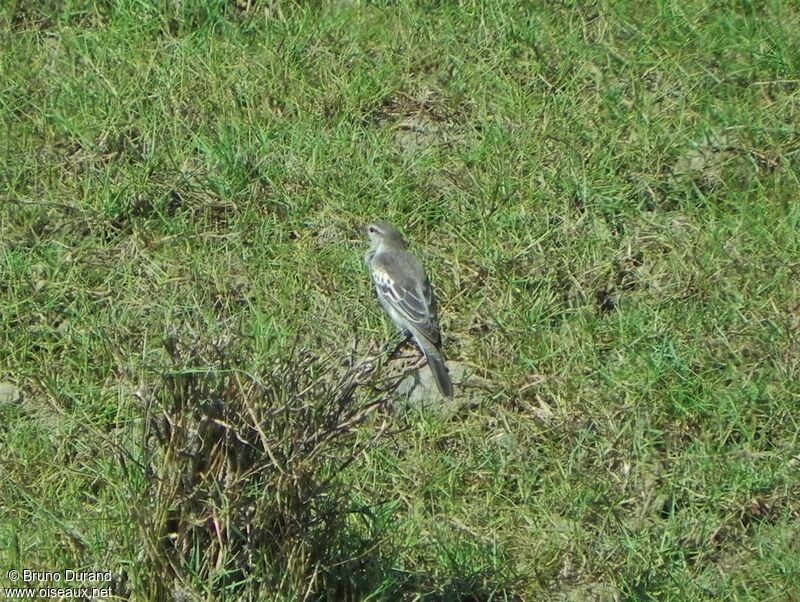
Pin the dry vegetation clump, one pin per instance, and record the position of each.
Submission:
(235, 480)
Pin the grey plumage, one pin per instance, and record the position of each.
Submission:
(406, 295)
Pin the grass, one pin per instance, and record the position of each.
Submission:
(605, 195)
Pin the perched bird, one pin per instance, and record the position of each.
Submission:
(406, 295)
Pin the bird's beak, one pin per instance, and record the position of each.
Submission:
(362, 234)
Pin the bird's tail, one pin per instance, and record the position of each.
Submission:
(437, 365)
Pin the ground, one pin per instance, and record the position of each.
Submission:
(605, 195)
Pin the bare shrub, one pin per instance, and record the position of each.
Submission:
(235, 486)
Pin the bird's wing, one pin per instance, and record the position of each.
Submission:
(401, 280)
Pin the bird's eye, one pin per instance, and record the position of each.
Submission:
(372, 229)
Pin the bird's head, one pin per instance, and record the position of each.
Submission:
(380, 233)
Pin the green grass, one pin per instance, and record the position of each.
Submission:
(604, 193)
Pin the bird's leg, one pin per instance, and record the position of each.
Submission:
(405, 338)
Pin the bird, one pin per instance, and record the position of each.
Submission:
(405, 294)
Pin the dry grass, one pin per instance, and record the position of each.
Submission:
(234, 483)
